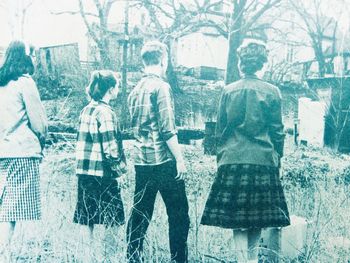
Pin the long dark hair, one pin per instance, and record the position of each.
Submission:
(16, 63)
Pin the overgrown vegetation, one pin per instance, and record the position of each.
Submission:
(311, 178)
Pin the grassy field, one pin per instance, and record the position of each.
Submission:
(316, 186)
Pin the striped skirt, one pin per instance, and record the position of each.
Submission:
(246, 196)
(19, 189)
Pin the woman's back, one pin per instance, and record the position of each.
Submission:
(249, 126)
(22, 119)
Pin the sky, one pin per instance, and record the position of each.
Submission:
(42, 28)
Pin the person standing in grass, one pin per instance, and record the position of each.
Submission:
(247, 194)
(158, 160)
(100, 156)
(23, 128)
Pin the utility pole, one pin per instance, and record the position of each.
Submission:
(125, 63)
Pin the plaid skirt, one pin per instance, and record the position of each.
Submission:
(19, 189)
(99, 201)
(246, 196)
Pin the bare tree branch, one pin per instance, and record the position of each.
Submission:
(270, 4)
(91, 32)
(73, 13)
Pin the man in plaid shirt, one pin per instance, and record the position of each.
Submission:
(159, 164)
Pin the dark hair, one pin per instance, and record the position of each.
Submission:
(16, 63)
(152, 52)
(101, 81)
(152, 58)
(252, 58)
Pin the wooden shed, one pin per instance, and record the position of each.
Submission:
(59, 60)
(58, 71)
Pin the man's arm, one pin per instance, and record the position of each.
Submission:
(175, 149)
(167, 127)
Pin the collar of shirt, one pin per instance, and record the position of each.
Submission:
(101, 102)
(249, 76)
(147, 75)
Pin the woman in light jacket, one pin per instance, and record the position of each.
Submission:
(23, 127)
(247, 194)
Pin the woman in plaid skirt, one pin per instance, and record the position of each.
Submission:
(247, 195)
(100, 157)
(23, 128)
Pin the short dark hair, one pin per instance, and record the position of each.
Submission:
(16, 63)
(252, 57)
(101, 81)
(152, 58)
(152, 52)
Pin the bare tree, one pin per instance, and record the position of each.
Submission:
(17, 17)
(319, 27)
(24, 9)
(97, 25)
(170, 20)
(245, 18)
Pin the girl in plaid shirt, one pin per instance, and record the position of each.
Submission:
(100, 156)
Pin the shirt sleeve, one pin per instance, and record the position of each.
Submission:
(35, 109)
(166, 118)
(276, 125)
(108, 132)
(221, 121)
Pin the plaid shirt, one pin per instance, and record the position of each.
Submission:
(152, 119)
(98, 128)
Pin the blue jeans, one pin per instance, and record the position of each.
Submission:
(150, 180)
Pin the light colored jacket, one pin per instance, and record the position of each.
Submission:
(23, 122)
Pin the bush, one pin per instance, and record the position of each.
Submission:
(52, 87)
(304, 172)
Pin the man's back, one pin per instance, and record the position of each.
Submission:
(152, 120)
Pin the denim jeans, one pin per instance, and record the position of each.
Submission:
(150, 180)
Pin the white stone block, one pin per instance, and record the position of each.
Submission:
(311, 115)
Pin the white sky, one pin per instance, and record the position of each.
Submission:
(44, 29)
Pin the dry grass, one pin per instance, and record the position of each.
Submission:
(323, 200)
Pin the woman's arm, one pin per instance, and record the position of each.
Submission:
(276, 125)
(107, 126)
(111, 143)
(35, 110)
(221, 120)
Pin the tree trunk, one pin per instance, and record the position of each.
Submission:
(235, 40)
(125, 67)
(321, 64)
(105, 62)
(170, 73)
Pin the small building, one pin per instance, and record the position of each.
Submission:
(204, 51)
(58, 70)
(135, 43)
(116, 40)
(59, 60)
